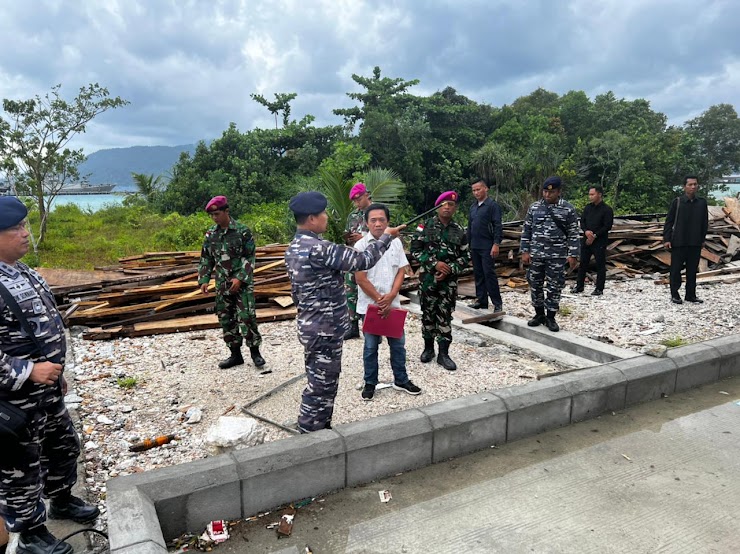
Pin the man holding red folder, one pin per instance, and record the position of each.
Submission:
(380, 286)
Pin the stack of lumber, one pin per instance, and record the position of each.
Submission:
(167, 301)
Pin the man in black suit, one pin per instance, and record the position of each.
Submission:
(596, 221)
(684, 232)
(484, 235)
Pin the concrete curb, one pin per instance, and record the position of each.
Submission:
(146, 507)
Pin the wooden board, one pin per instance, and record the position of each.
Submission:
(182, 324)
(283, 301)
(466, 314)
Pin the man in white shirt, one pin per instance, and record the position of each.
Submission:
(380, 286)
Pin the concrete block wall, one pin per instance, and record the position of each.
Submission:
(146, 508)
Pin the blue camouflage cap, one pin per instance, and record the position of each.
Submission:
(12, 212)
(308, 203)
(552, 183)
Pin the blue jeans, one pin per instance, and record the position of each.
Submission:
(398, 358)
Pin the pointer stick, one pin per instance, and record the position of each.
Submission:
(418, 217)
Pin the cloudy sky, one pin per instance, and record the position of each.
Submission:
(188, 67)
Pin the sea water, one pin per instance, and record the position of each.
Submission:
(91, 202)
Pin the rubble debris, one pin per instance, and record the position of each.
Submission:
(146, 444)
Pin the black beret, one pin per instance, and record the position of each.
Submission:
(12, 212)
(551, 183)
(308, 203)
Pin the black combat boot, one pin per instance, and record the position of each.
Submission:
(428, 353)
(443, 358)
(234, 359)
(71, 507)
(539, 318)
(354, 331)
(257, 358)
(39, 541)
(551, 323)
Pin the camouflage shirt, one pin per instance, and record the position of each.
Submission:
(17, 348)
(316, 269)
(230, 251)
(355, 224)
(551, 230)
(434, 242)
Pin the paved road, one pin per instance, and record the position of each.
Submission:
(660, 477)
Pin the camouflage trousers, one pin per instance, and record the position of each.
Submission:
(437, 304)
(43, 462)
(238, 319)
(350, 289)
(323, 357)
(546, 276)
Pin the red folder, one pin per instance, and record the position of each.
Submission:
(391, 326)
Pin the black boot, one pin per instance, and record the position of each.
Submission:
(257, 358)
(428, 353)
(73, 508)
(234, 359)
(539, 318)
(354, 331)
(551, 323)
(443, 358)
(39, 541)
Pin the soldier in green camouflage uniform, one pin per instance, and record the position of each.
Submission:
(354, 231)
(228, 248)
(441, 248)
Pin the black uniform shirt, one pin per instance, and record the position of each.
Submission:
(598, 219)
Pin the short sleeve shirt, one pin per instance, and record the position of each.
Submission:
(383, 273)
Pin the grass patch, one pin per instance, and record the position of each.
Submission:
(674, 342)
(127, 382)
(81, 239)
(565, 310)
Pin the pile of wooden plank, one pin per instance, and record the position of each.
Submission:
(168, 299)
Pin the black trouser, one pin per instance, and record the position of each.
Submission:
(598, 250)
(688, 256)
(486, 282)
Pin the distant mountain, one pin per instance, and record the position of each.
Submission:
(115, 165)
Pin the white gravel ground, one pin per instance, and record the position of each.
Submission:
(174, 372)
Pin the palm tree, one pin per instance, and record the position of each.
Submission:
(384, 185)
(148, 186)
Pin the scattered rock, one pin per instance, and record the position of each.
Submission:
(193, 415)
(655, 350)
(233, 433)
(659, 319)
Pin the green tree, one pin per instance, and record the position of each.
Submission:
(148, 186)
(281, 104)
(711, 144)
(35, 137)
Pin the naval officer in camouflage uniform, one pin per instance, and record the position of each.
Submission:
(316, 269)
(41, 460)
(549, 242)
(440, 246)
(229, 248)
(354, 231)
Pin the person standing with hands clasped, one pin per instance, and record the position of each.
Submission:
(549, 243)
(485, 231)
(596, 222)
(380, 285)
(229, 250)
(684, 233)
(39, 445)
(440, 246)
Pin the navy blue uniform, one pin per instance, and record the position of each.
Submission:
(484, 230)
